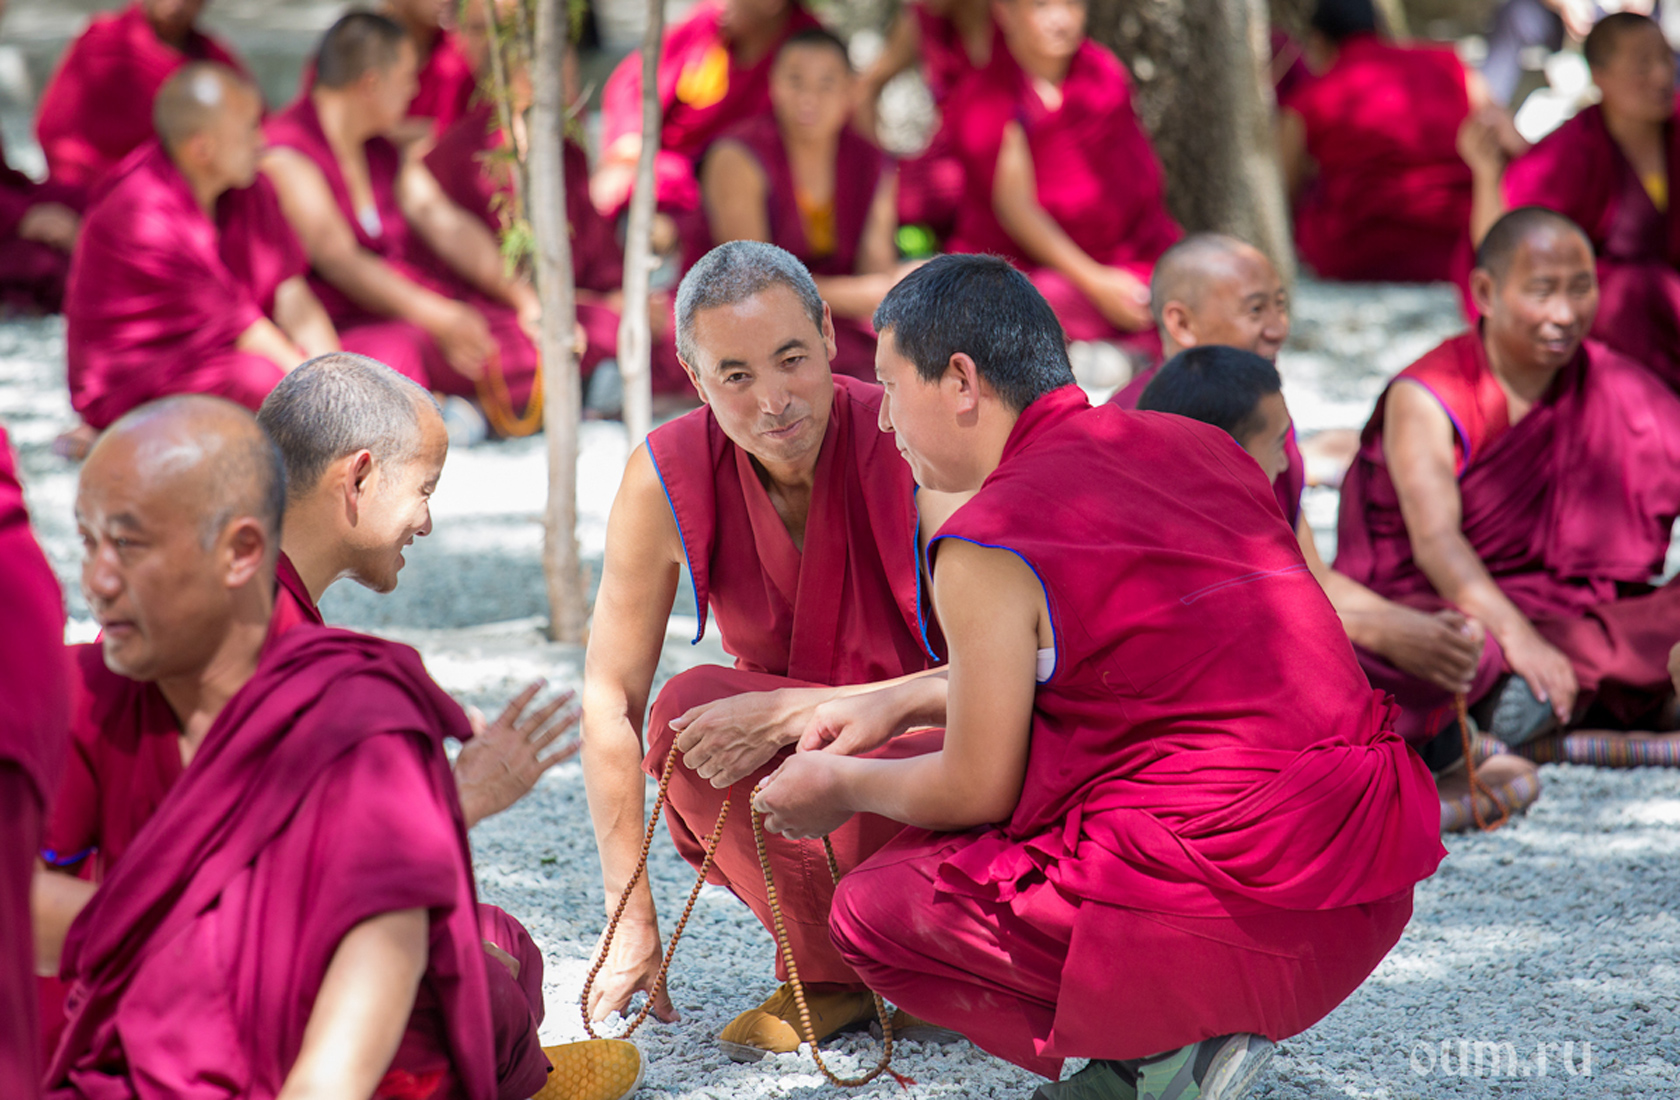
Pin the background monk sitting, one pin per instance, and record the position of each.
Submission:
(340, 901)
(1438, 655)
(187, 278)
(802, 179)
(1529, 481)
(797, 523)
(1061, 178)
(97, 108)
(1134, 805)
(447, 78)
(367, 218)
(1609, 170)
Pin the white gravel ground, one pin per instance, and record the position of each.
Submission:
(1559, 929)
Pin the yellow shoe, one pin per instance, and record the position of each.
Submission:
(773, 1027)
(914, 1029)
(596, 1069)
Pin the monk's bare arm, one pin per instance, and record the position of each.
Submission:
(1418, 448)
(735, 193)
(362, 1009)
(902, 50)
(1292, 151)
(458, 238)
(1487, 141)
(264, 338)
(303, 318)
(54, 900)
(638, 585)
(1119, 295)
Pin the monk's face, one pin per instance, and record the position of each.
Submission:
(812, 90)
(763, 368)
(922, 417)
(233, 141)
(419, 13)
(1537, 316)
(395, 508)
(1242, 305)
(390, 90)
(172, 20)
(1047, 30)
(1265, 440)
(1637, 81)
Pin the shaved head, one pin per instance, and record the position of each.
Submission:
(1607, 34)
(1212, 288)
(192, 99)
(360, 42)
(1184, 271)
(1522, 226)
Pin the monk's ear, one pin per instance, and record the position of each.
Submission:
(962, 379)
(1175, 318)
(830, 343)
(244, 546)
(358, 482)
(694, 380)
(1482, 290)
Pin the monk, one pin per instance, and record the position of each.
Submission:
(1134, 804)
(447, 80)
(798, 526)
(34, 689)
(97, 108)
(1608, 169)
(1061, 178)
(1423, 660)
(802, 179)
(949, 40)
(371, 223)
(1527, 477)
(312, 837)
(187, 278)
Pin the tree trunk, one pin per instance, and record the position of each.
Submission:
(1201, 73)
(635, 340)
(568, 611)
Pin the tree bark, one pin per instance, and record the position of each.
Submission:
(1203, 90)
(635, 339)
(568, 611)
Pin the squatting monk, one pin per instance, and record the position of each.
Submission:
(370, 222)
(949, 40)
(1608, 170)
(798, 525)
(97, 108)
(802, 179)
(34, 717)
(1061, 178)
(304, 891)
(1437, 655)
(187, 278)
(38, 223)
(1146, 840)
(1527, 476)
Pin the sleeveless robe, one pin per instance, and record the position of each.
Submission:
(1225, 833)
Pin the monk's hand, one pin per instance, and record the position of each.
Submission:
(631, 967)
(1544, 668)
(1674, 668)
(853, 724)
(50, 223)
(1481, 142)
(463, 335)
(504, 760)
(1443, 648)
(1121, 297)
(725, 741)
(803, 798)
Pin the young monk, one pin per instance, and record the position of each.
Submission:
(802, 179)
(312, 839)
(366, 219)
(949, 40)
(1528, 480)
(34, 689)
(1435, 656)
(798, 526)
(1608, 169)
(187, 278)
(1061, 178)
(97, 108)
(1134, 804)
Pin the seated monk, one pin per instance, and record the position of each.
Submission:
(949, 39)
(447, 80)
(1404, 651)
(34, 715)
(368, 219)
(1370, 152)
(1061, 178)
(798, 525)
(187, 278)
(1135, 804)
(1609, 170)
(1528, 480)
(309, 852)
(97, 108)
(802, 179)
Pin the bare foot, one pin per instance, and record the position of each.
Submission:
(75, 443)
(1515, 781)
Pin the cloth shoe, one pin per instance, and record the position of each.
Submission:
(1213, 1069)
(914, 1029)
(596, 1069)
(1099, 1080)
(773, 1027)
(1514, 715)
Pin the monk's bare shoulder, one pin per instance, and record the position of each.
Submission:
(307, 202)
(934, 508)
(1414, 419)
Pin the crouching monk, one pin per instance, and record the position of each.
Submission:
(1135, 806)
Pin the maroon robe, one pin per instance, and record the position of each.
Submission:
(1580, 171)
(930, 185)
(97, 108)
(32, 274)
(1094, 168)
(851, 618)
(34, 683)
(1569, 509)
(1212, 836)
(859, 170)
(1392, 199)
(402, 345)
(246, 881)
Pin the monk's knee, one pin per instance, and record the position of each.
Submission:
(863, 916)
(497, 927)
